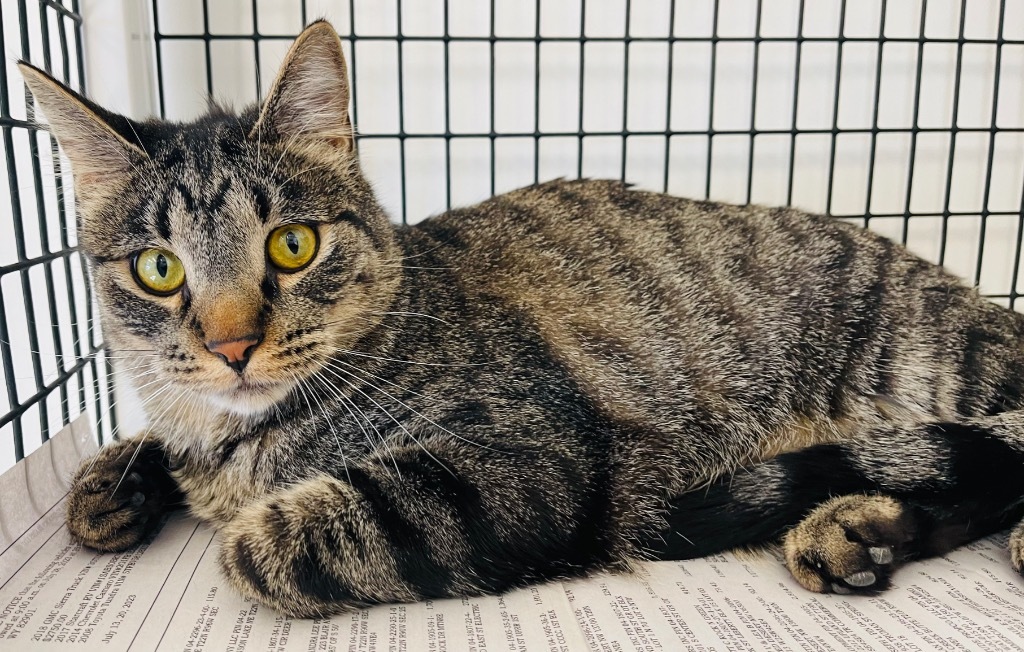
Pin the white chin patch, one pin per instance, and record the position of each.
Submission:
(250, 402)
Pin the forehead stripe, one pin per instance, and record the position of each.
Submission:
(162, 218)
(186, 197)
(217, 200)
(262, 203)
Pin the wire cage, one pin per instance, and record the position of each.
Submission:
(905, 117)
(51, 353)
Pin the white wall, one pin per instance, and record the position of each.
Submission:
(986, 206)
(119, 55)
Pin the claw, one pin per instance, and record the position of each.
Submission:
(135, 478)
(861, 579)
(881, 555)
(841, 590)
(138, 498)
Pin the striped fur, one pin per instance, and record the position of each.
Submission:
(567, 377)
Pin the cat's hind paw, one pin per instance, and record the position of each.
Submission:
(1017, 548)
(850, 544)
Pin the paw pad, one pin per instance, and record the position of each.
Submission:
(849, 544)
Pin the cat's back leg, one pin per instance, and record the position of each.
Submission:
(931, 481)
(849, 512)
(1017, 548)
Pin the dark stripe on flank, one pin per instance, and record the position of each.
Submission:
(883, 368)
(972, 369)
(840, 266)
(863, 330)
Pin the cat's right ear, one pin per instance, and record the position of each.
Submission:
(100, 157)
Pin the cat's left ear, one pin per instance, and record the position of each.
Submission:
(309, 98)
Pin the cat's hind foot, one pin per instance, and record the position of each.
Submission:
(116, 496)
(1017, 548)
(850, 544)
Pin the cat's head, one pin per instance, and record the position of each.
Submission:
(231, 255)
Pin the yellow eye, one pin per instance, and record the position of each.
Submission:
(159, 271)
(291, 247)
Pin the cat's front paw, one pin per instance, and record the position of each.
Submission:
(849, 544)
(290, 550)
(116, 496)
(253, 553)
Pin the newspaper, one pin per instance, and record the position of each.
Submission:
(168, 595)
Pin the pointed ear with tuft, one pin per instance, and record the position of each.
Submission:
(100, 156)
(309, 98)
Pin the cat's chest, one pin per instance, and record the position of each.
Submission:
(216, 496)
(223, 466)
(218, 481)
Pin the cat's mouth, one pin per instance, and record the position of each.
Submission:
(246, 384)
(247, 396)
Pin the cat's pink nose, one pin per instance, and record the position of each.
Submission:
(235, 353)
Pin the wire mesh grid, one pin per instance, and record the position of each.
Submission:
(906, 117)
(51, 353)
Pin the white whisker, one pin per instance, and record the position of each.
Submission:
(399, 424)
(413, 410)
(426, 364)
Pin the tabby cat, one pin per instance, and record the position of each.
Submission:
(565, 378)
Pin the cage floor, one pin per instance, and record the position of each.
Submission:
(168, 595)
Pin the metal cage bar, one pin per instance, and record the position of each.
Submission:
(401, 38)
(62, 339)
(37, 277)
